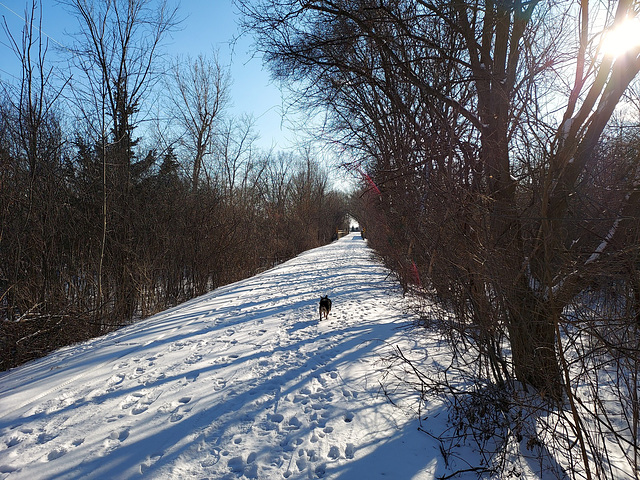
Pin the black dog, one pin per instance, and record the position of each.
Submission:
(325, 306)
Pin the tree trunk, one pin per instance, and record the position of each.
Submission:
(532, 331)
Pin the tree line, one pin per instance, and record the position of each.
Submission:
(498, 146)
(108, 214)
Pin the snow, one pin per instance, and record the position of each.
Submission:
(605, 242)
(244, 382)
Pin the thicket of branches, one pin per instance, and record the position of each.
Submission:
(103, 222)
(500, 179)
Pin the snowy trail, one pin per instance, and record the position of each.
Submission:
(243, 382)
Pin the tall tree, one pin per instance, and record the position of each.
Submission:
(202, 95)
(117, 50)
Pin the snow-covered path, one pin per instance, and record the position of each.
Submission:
(244, 382)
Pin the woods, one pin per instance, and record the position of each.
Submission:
(104, 219)
(498, 149)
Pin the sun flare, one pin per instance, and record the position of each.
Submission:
(622, 38)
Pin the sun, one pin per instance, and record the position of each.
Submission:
(622, 38)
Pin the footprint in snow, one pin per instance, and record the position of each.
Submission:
(236, 464)
(301, 462)
(248, 469)
(174, 409)
(130, 400)
(148, 463)
(114, 441)
(12, 442)
(294, 423)
(56, 453)
(277, 418)
(193, 358)
(120, 366)
(45, 438)
(334, 453)
(138, 409)
(120, 435)
(349, 451)
(116, 379)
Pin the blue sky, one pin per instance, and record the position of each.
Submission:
(208, 25)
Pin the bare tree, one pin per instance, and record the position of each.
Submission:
(36, 96)
(235, 154)
(202, 95)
